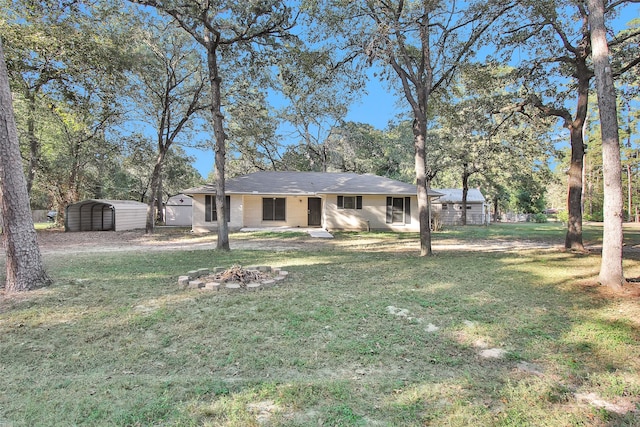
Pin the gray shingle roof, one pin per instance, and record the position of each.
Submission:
(454, 195)
(310, 183)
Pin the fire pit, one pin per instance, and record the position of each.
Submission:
(233, 279)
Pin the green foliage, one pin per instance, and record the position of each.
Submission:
(594, 216)
(539, 218)
(530, 199)
(563, 216)
(66, 64)
(480, 141)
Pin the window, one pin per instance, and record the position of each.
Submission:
(469, 207)
(349, 202)
(445, 207)
(273, 209)
(398, 210)
(210, 213)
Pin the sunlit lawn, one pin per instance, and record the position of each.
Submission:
(352, 338)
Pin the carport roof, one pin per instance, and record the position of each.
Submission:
(114, 203)
(454, 195)
(310, 183)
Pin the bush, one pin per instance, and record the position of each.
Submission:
(563, 216)
(595, 216)
(539, 218)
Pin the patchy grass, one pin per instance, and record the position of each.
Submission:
(552, 233)
(44, 225)
(352, 338)
(273, 235)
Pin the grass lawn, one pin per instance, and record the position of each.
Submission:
(354, 337)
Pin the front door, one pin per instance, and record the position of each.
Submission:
(314, 213)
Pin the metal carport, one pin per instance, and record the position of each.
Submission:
(105, 215)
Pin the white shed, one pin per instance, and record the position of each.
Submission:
(178, 211)
(105, 215)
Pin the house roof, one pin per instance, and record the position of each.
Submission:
(454, 195)
(309, 184)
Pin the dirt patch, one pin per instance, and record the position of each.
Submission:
(631, 290)
(62, 243)
(56, 241)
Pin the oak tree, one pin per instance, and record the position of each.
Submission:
(421, 44)
(169, 91)
(556, 68)
(234, 29)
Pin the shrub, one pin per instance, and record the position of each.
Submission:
(563, 216)
(597, 216)
(539, 218)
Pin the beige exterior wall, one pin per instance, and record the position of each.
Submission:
(197, 220)
(246, 211)
(199, 225)
(372, 215)
(236, 222)
(295, 212)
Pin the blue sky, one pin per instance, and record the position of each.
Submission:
(377, 107)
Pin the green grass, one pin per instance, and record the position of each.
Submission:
(115, 342)
(44, 225)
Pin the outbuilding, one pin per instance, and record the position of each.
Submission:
(177, 211)
(449, 207)
(105, 215)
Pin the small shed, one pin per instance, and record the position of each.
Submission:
(178, 211)
(449, 206)
(105, 215)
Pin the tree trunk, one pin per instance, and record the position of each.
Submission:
(465, 191)
(573, 239)
(24, 266)
(611, 273)
(424, 207)
(220, 149)
(629, 193)
(154, 194)
(160, 199)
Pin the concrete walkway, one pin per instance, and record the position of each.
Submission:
(313, 232)
(320, 233)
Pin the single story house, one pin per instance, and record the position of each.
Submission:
(449, 207)
(177, 211)
(105, 215)
(333, 201)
